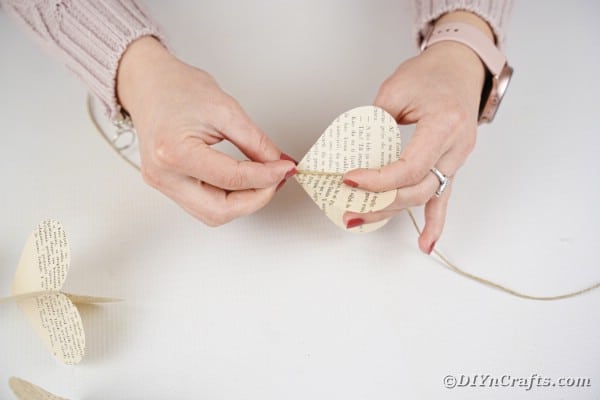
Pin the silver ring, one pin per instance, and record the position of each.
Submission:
(444, 180)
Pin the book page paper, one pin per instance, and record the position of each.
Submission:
(40, 275)
(44, 261)
(80, 299)
(364, 137)
(28, 391)
(75, 298)
(57, 321)
(26, 296)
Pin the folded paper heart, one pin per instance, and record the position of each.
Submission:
(40, 275)
(367, 137)
(364, 137)
(28, 391)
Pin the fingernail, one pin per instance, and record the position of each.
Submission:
(354, 222)
(280, 185)
(284, 156)
(431, 247)
(350, 183)
(291, 173)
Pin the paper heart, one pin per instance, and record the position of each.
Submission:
(364, 137)
(28, 391)
(40, 274)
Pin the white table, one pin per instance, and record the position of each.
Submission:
(283, 304)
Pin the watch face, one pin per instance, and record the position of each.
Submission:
(499, 86)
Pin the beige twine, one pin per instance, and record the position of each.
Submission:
(441, 256)
(464, 273)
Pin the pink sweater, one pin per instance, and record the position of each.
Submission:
(91, 35)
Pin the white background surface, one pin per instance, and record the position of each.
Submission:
(283, 304)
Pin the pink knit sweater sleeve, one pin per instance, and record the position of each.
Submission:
(495, 12)
(89, 35)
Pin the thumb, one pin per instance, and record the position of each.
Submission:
(395, 97)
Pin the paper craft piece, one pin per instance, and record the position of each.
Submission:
(364, 137)
(28, 391)
(40, 275)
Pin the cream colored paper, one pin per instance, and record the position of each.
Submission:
(25, 296)
(56, 320)
(81, 299)
(40, 274)
(75, 298)
(28, 391)
(45, 259)
(364, 137)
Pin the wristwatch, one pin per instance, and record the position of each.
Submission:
(499, 72)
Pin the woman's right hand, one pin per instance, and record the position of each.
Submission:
(179, 112)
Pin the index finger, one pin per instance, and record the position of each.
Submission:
(215, 207)
(424, 149)
(198, 160)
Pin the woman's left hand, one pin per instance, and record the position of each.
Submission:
(440, 91)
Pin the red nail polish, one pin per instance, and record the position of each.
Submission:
(354, 222)
(291, 173)
(350, 183)
(431, 247)
(280, 185)
(284, 156)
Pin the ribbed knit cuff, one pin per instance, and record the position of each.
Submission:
(495, 12)
(89, 35)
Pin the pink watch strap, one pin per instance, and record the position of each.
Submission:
(473, 38)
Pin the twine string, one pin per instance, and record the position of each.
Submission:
(318, 173)
(448, 264)
(453, 267)
(444, 260)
